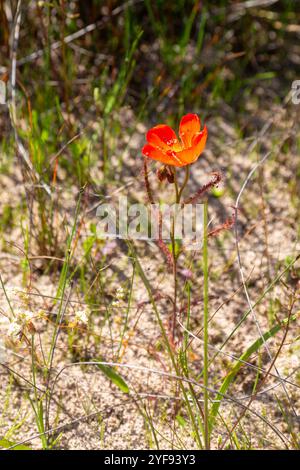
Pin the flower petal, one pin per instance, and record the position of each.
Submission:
(156, 154)
(189, 126)
(162, 137)
(191, 154)
(169, 157)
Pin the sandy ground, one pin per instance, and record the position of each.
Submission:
(95, 414)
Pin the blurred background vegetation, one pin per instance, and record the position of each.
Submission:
(91, 75)
(159, 58)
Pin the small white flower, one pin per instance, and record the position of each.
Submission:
(119, 296)
(24, 316)
(81, 316)
(120, 293)
(14, 329)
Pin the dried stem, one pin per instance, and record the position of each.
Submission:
(216, 179)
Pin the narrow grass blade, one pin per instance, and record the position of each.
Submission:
(5, 444)
(114, 377)
(240, 362)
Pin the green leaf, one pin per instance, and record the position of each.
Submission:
(5, 443)
(181, 420)
(114, 377)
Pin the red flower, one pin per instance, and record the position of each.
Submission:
(164, 146)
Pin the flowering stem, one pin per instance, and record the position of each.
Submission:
(174, 254)
(176, 186)
(205, 325)
(186, 178)
(178, 193)
(147, 183)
